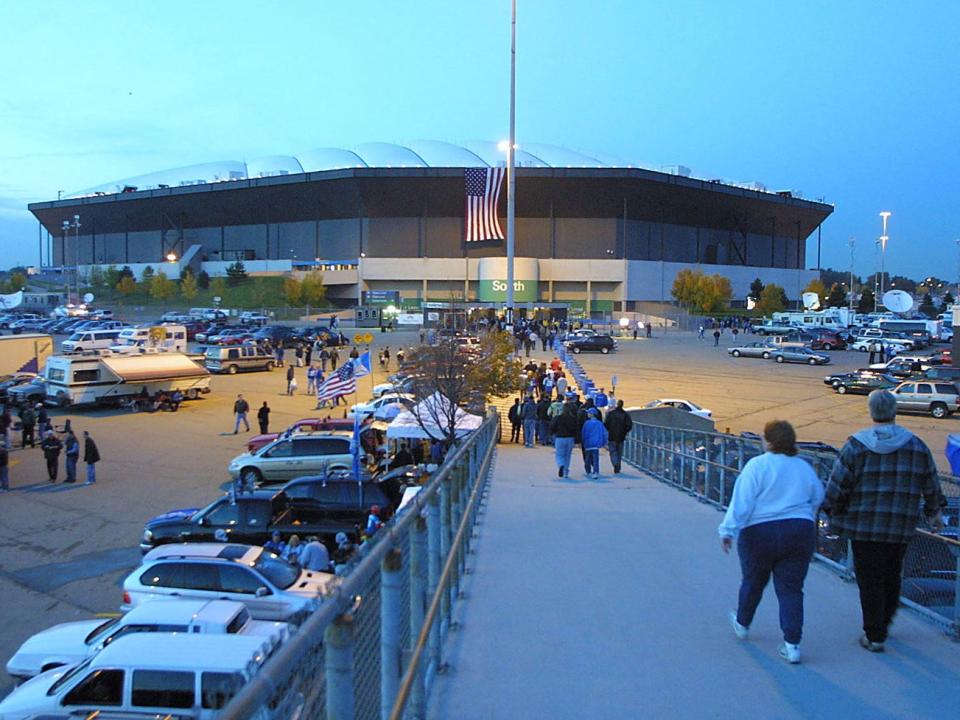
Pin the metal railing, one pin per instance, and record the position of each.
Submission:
(373, 646)
(706, 465)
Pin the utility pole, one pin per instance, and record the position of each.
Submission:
(511, 162)
(852, 243)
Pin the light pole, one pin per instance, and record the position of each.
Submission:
(852, 241)
(511, 174)
(76, 242)
(884, 215)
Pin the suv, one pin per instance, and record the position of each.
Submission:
(940, 399)
(231, 360)
(271, 588)
(289, 457)
(279, 334)
(603, 343)
(943, 372)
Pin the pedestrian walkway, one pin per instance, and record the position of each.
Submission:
(608, 599)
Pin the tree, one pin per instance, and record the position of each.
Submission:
(188, 285)
(837, 297)
(203, 280)
(772, 299)
(947, 301)
(111, 276)
(127, 285)
(927, 307)
(829, 276)
(816, 286)
(715, 293)
(16, 283)
(756, 288)
(312, 289)
(292, 290)
(147, 275)
(161, 287)
(218, 287)
(125, 271)
(96, 278)
(701, 293)
(867, 301)
(685, 287)
(236, 273)
(900, 282)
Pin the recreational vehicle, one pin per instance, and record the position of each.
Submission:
(166, 337)
(831, 318)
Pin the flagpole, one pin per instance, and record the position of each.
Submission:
(511, 170)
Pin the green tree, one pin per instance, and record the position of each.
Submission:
(312, 290)
(218, 287)
(16, 283)
(947, 301)
(161, 287)
(772, 299)
(203, 280)
(715, 293)
(756, 288)
(236, 273)
(147, 275)
(292, 290)
(188, 285)
(127, 286)
(837, 297)
(111, 276)
(685, 286)
(927, 307)
(96, 278)
(867, 300)
(816, 286)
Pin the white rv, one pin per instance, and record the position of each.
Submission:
(113, 379)
(164, 337)
(831, 318)
(24, 353)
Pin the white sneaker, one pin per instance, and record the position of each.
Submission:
(741, 630)
(790, 652)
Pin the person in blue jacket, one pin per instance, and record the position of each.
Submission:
(593, 436)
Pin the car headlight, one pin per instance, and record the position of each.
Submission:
(147, 536)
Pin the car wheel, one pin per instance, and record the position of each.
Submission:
(938, 410)
(250, 476)
(862, 349)
(779, 358)
(766, 356)
(604, 350)
(232, 369)
(841, 389)
(812, 361)
(192, 394)
(827, 346)
(576, 350)
(269, 366)
(735, 353)
(78, 349)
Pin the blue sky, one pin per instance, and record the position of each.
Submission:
(855, 102)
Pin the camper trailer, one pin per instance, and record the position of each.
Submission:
(831, 318)
(114, 379)
(165, 337)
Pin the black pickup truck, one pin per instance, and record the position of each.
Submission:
(313, 505)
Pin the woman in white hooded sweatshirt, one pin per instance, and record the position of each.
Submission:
(772, 514)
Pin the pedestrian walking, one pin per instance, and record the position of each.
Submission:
(6, 423)
(298, 354)
(4, 467)
(400, 357)
(716, 337)
(543, 419)
(240, 408)
(528, 413)
(71, 448)
(386, 357)
(772, 516)
(700, 333)
(324, 357)
(649, 329)
(423, 335)
(51, 447)
(515, 418)
(43, 419)
(311, 380)
(91, 456)
(563, 427)
(354, 353)
(280, 354)
(619, 424)
(263, 418)
(28, 420)
(882, 478)
(307, 354)
(593, 436)
(334, 359)
(291, 374)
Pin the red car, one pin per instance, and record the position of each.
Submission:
(309, 425)
(238, 338)
(828, 341)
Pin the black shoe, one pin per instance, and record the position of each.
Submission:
(559, 472)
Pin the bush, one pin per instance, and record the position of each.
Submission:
(236, 273)
(148, 274)
(188, 285)
(203, 280)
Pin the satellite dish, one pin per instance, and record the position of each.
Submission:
(811, 301)
(751, 303)
(88, 298)
(898, 301)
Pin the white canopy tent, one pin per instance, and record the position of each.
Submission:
(433, 422)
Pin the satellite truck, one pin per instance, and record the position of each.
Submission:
(24, 353)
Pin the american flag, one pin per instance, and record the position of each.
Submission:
(483, 191)
(341, 382)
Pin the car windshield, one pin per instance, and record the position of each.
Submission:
(69, 675)
(279, 572)
(74, 337)
(102, 627)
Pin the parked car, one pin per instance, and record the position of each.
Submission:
(799, 355)
(940, 399)
(253, 318)
(600, 343)
(828, 340)
(772, 328)
(367, 409)
(203, 335)
(9, 382)
(757, 349)
(901, 366)
(284, 334)
(397, 383)
(686, 405)
(835, 378)
(32, 392)
(71, 642)
(270, 587)
(231, 360)
(308, 425)
(864, 382)
(289, 457)
(217, 338)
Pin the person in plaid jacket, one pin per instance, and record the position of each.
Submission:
(874, 497)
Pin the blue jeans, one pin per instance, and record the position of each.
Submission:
(5, 477)
(562, 449)
(529, 428)
(544, 432)
(591, 462)
(91, 473)
(241, 418)
(71, 468)
(784, 548)
(615, 448)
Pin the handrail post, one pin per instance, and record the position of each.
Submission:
(445, 530)
(418, 599)
(391, 587)
(338, 638)
(455, 512)
(722, 490)
(955, 625)
(433, 573)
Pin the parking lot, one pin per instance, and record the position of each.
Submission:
(65, 549)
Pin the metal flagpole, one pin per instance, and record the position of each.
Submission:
(511, 174)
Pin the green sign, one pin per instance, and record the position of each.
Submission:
(496, 291)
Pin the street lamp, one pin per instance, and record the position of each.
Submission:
(884, 215)
(511, 170)
(66, 226)
(171, 257)
(852, 241)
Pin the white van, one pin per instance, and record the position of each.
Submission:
(174, 338)
(148, 674)
(90, 340)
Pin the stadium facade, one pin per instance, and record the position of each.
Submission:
(591, 231)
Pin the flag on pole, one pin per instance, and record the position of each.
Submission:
(341, 382)
(483, 192)
(362, 365)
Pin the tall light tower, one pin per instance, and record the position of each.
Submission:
(884, 216)
(511, 170)
(851, 242)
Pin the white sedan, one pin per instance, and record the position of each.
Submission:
(365, 410)
(863, 344)
(686, 405)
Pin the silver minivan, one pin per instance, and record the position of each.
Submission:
(235, 358)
